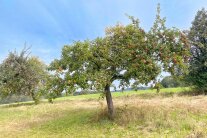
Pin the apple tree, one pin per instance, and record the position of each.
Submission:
(21, 74)
(126, 52)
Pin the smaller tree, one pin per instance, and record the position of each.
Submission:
(22, 75)
(170, 81)
(157, 86)
(36, 77)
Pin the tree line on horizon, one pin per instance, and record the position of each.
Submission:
(125, 53)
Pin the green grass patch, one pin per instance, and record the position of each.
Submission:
(138, 114)
(140, 93)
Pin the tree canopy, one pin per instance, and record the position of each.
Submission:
(126, 52)
(21, 74)
(170, 82)
(198, 62)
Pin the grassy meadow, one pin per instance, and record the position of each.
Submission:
(171, 113)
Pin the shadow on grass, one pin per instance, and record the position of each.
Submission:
(151, 95)
(191, 93)
(168, 94)
(17, 104)
(30, 103)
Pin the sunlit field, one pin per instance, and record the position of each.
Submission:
(59, 61)
(138, 114)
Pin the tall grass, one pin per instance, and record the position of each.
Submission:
(161, 115)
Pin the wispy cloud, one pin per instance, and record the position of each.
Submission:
(48, 25)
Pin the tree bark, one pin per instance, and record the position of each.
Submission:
(109, 102)
(35, 99)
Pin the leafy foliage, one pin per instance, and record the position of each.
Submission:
(22, 75)
(170, 82)
(53, 87)
(198, 61)
(125, 53)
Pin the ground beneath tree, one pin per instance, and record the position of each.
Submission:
(136, 116)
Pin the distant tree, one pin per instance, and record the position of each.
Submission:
(125, 53)
(157, 86)
(22, 75)
(135, 86)
(198, 61)
(170, 82)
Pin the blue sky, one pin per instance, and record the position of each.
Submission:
(47, 25)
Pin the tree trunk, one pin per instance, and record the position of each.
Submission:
(109, 102)
(34, 98)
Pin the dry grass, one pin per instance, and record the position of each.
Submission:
(174, 114)
(158, 116)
